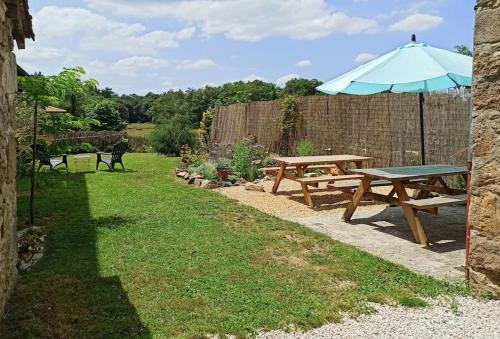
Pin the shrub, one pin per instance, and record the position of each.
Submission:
(305, 148)
(83, 148)
(252, 173)
(167, 138)
(241, 159)
(223, 163)
(206, 170)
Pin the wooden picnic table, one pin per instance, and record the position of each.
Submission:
(302, 163)
(402, 178)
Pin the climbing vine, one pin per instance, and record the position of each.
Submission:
(288, 123)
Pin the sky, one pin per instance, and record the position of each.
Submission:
(157, 45)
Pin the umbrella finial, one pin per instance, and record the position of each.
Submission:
(413, 38)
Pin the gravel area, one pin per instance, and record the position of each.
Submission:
(458, 318)
(289, 203)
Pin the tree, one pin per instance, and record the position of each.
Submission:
(42, 91)
(302, 87)
(106, 112)
(462, 49)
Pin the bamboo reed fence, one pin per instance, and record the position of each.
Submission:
(383, 126)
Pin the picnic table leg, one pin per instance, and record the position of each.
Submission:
(424, 194)
(305, 190)
(363, 187)
(340, 168)
(410, 214)
(279, 177)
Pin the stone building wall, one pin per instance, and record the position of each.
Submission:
(8, 89)
(485, 185)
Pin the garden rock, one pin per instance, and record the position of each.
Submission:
(192, 179)
(310, 175)
(254, 187)
(198, 181)
(181, 174)
(30, 245)
(209, 184)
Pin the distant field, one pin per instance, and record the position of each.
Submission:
(140, 130)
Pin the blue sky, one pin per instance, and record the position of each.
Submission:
(156, 45)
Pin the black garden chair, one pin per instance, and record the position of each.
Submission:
(119, 150)
(46, 159)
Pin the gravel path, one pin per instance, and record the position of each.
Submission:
(461, 318)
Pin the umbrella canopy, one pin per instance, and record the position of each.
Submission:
(412, 68)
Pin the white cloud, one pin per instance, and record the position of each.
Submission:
(90, 31)
(281, 82)
(196, 64)
(304, 63)
(364, 57)
(417, 23)
(253, 77)
(133, 65)
(248, 20)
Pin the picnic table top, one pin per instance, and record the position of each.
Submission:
(320, 159)
(411, 172)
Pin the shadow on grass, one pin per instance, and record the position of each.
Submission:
(64, 296)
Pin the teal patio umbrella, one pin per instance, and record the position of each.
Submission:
(412, 68)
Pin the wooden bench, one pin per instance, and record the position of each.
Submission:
(353, 184)
(270, 170)
(422, 204)
(328, 178)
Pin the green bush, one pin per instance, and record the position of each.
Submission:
(305, 148)
(167, 138)
(83, 148)
(207, 170)
(252, 173)
(70, 147)
(241, 159)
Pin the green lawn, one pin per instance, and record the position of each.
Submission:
(138, 254)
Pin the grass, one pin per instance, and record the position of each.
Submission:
(140, 130)
(138, 254)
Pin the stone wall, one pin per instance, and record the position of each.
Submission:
(485, 185)
(8, 89)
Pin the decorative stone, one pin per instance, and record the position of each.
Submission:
(198, 181)
(193, 178)
(254, 187)
(209, 184)
(181, 174)
(310, 175)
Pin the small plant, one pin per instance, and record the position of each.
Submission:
(206, 170)
(241, 159)
(305, 148)
(252, 173)
(223, 164)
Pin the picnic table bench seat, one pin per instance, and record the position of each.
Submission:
(328, 178)
(270, 170)
(421, 204)
(353, 184)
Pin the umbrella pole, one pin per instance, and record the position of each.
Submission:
(422, 139)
